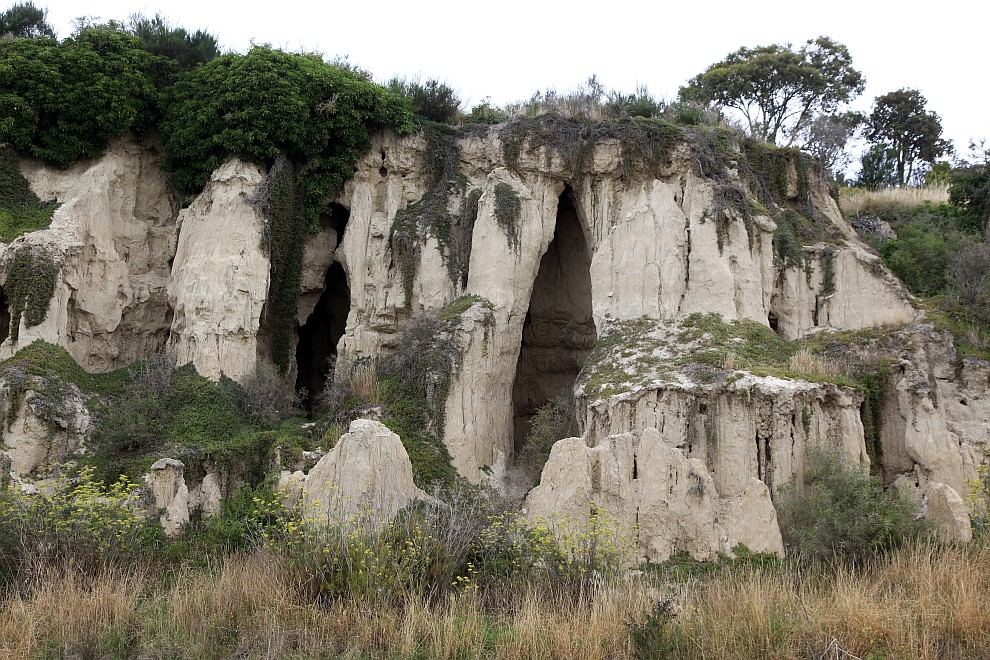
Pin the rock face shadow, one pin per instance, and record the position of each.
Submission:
(319, 336)
(559, 331)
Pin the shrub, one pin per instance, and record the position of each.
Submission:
(553, 421)
(20, 209)
(432, 100)
(978, 500)
(72, 522)
(844, 512)
(267, 396)
(61, 102)
(919, 256)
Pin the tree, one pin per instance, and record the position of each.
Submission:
(970, 183)
(186, 49)
(878, 167)
(61, 102)
(900, 120)
(826, 138)
(779, 90)
(25, 21)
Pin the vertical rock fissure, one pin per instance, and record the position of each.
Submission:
(319, 336)
(559, 330)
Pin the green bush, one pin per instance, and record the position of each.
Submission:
(555, 420)
(919, 256)
(432, 100)
(269, 102)
(73, 522)
(844, 512)
(20, 209)
(61, 102)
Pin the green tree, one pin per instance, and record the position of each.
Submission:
(61, 102)
(779, 90)
(900, 120)
(269, 102)
(877, 167)
(186, 49)
(970, 184)
(25, 21)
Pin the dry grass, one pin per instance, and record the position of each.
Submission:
(364, 382)
(806, 362)
(860, 201)
(921, 602)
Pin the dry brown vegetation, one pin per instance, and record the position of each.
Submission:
(860, 201)
(926, 601)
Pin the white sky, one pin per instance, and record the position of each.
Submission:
(507, 49)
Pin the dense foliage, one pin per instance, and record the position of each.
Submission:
(61, 102)
(844, 512)
(779, 90)
(269, 102)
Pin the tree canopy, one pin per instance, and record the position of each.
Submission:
(25, 21)
(269, 102)
(778, 90)
(914, 134)
(62, 102)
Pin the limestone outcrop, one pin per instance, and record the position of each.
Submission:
(219, 278)
(173, 501)
(366, 475)
(44, 423)
(661, 500)
(110, 240)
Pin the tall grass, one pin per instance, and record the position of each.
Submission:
(860, 201)
(923, 601)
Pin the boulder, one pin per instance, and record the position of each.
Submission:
(367, 474)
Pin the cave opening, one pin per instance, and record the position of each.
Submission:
(559, 330)
(324, 327)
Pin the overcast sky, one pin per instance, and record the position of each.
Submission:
(508, 49)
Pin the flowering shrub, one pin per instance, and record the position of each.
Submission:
(433, 547)
(72, 521)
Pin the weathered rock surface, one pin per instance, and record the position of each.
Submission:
(169, 495)
(110, 238)
(663, 501)
(367, 474)
(47, 425)
(220, 274)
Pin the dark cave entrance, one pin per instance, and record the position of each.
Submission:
(559, 330)
(319, 336)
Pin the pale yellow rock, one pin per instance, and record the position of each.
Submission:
(367, 474)
(219, 280)
(35, 444)
(110, 237)
(948, 511)
(661, 501)
(169, 495)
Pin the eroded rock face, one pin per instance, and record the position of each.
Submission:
(219, 280)
(169, 495)
(661, 500)
(367, 474)
(110, 238)
(654, 248)
(47, 426)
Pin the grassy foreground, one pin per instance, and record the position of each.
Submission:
(924, 601)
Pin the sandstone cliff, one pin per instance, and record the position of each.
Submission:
(564, 229)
